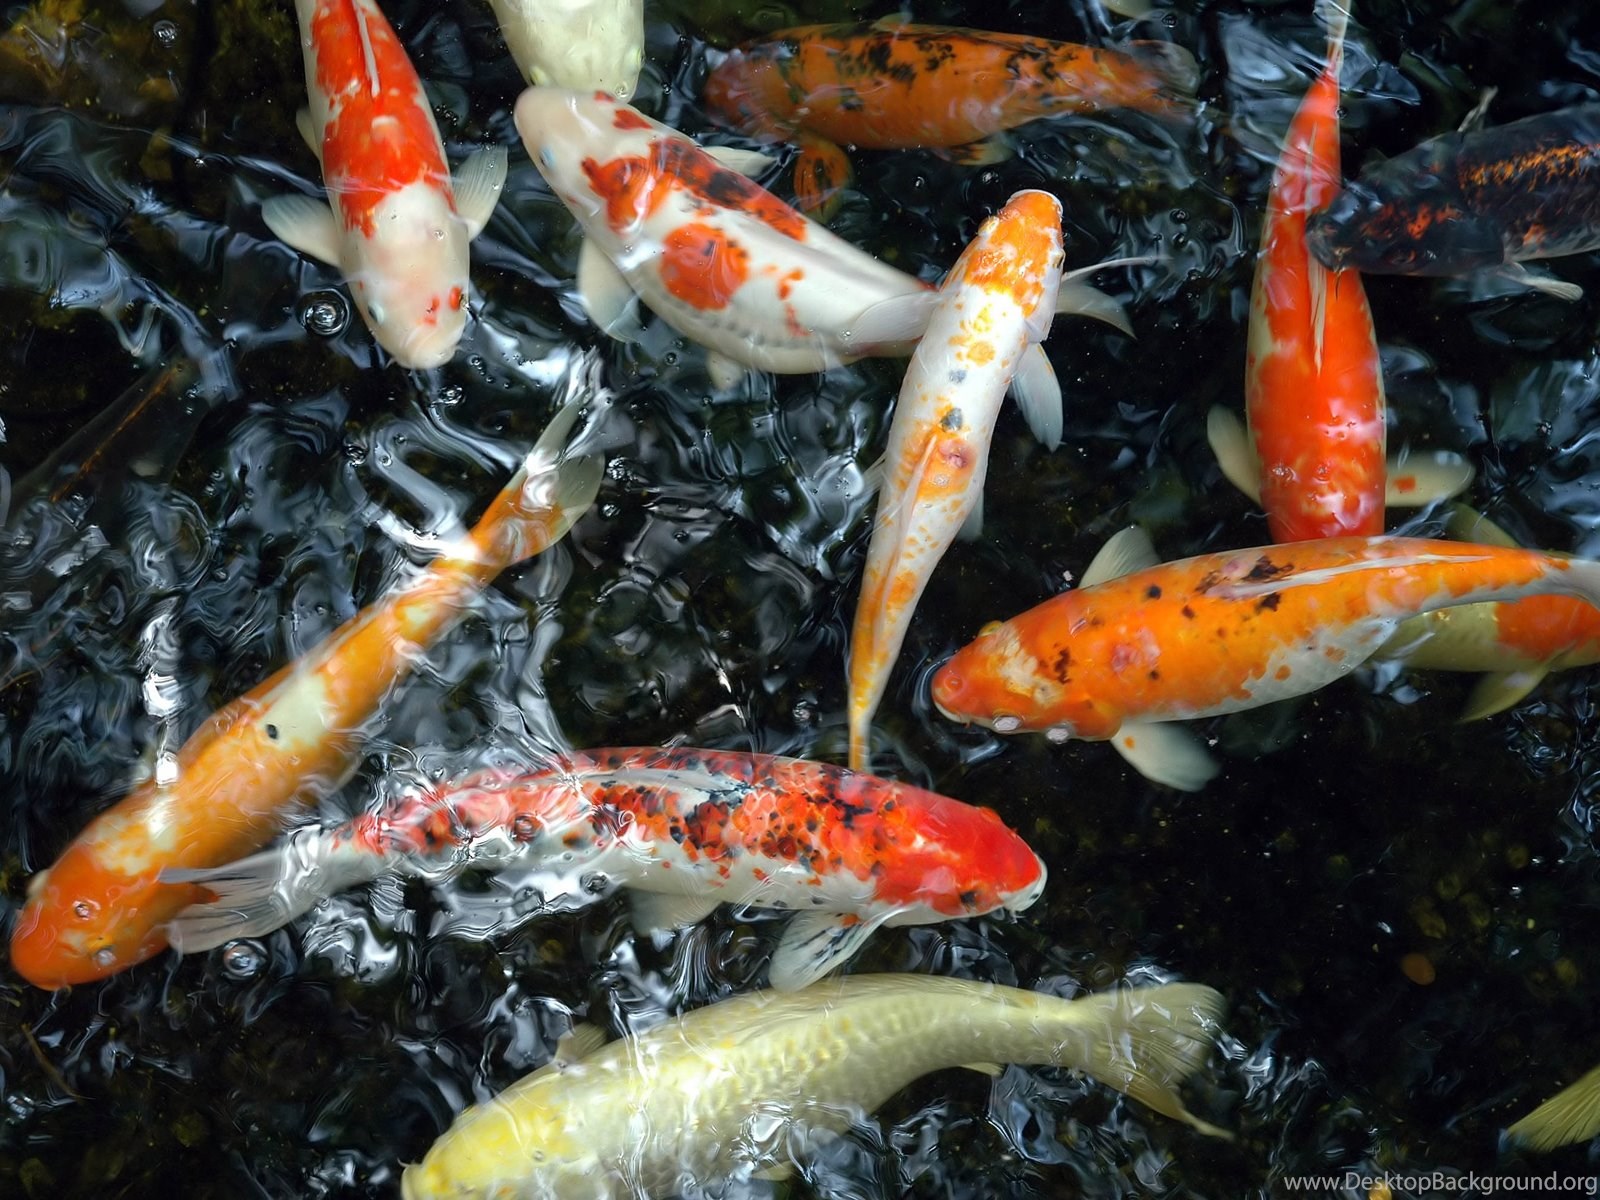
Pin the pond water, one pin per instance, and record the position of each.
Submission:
(207, 466)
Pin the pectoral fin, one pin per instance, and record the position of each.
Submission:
(986, 153)
(814, 944)
(993, 1070)
(1539, 281)
(1501, 690)
(1467, 524)
(307, 225)
(725, 373)
(478, 184)
(1038, 394)
(1237, 458)
(577, 1044)
(1125, 552)
(972, 528)
(1163, 753)
(603, 290)
(892, 321)
(1571, 1115)
(308, 132)
(745, 162)
(1080, 300)
(657, 912)
(1414, 480)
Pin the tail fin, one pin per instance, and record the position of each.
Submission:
(1571, 1115)
(1146, 1041)
(543, 500)
(1175, 66)
(266, 891)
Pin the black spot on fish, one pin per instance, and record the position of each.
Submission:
(952, 419)
(1153, 592)
(958, 376)
(1187, 612)
(1269, 602)
(1266, 569)
(1154, 674)
(272, 732)
(1062, 663)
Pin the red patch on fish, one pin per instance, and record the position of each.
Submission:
(625, 117)
(702, 266)
(634, 186)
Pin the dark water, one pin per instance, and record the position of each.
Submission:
(237, 474)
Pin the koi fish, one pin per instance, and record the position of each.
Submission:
(742, 1087)
(1313, 456)
(1571, 1115)
(103, 908)
(397, 227)
(728, 264)
(893, 85)
(687, 830)
(1140, 644)
(1474, 200)
(996, 302)
(584, 44)
(1516, 642)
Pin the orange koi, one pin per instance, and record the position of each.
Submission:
(892, 86)
(1143, 644)
(1314, 453)
(996, 302)
(102, 908)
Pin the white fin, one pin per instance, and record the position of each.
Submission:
(1166, 753)
(1145, 1042)
(1081, 300)
(266, 891)
(993, 1070)
(1499, 690)
(1038, 394)
(308, 132)
(873, 477)
(1479, 113)
(972, 528)
(1134, 10)
(577, 1044)
(307, 225)
(477, 187)
(774, 1174)
(1237, 458)
(576, 488)
(897, 319)
(1417, 480)
(1125, 552)
(1467, 524)
(814, 944)
(726, 374)
(662, 912)
(1539, 281)
(745, 162)
(1571, 1115)
(1317, 285)
(604, 291)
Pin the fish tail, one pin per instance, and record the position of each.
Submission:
(1335, 16)
(1571, 1115)
(1144, 1042)
(265, 891)
(1172, 64)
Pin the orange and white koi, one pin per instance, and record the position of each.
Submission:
(728, 264)
(995, 303)
(893, 85)
(102, 907)
(585, 44)
(1142, 644)
(397, 226)
(1515, 642)
(685, 829)
(1314, 453)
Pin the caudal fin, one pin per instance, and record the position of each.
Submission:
(1145, 1042)
(543, 500)
(1571, 1115)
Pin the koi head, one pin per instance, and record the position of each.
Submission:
(588, 44)
(1406, 222)
(591, 150)
(999, 683)
(410, 277)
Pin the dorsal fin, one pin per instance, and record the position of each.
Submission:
(1123, 554)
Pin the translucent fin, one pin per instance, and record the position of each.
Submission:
(814, 944)
(1124, 553)
(1467, 524)
(972, 528)
(1038, 394)
(478, 184)
(662, 912)
(576, 489)
(1500, 690)
(308, 132)
(1134, 10)
(577, 1044)
(1145, 1042)
(985, 153)
(993, 1070)
(307, 225)
(745, 162)
(774, 1174)
(1174, 63)
(892, 321)
(726, 374)
(1539, 281)
(1413, 481)
(1167, 754)
(603, 290)
(1237, 458)
(1571, 1115)
(1479, 114)
(1080, 300)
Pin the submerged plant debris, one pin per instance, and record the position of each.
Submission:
(207, 466)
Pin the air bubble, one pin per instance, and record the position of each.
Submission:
(242, 960)
(105, 958)
(166, 33)
(324, 314)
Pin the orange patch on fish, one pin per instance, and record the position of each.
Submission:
(702, 266)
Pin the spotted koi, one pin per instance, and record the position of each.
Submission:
(1474, 200)
(722, 260)
(1142, 644)
(687, 830)
(995, 303)
(585, 44)
(103, 908)
(395, 224)
(894, 85)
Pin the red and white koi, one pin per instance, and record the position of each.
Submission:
(397, 226)
(996, 302)
(1142, 644)
(687, 830)
(728, 264)
(103, 907)
(591, 45)
(1314, 453)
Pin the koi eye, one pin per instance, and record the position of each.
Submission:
(547, 158)
(375, 314)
